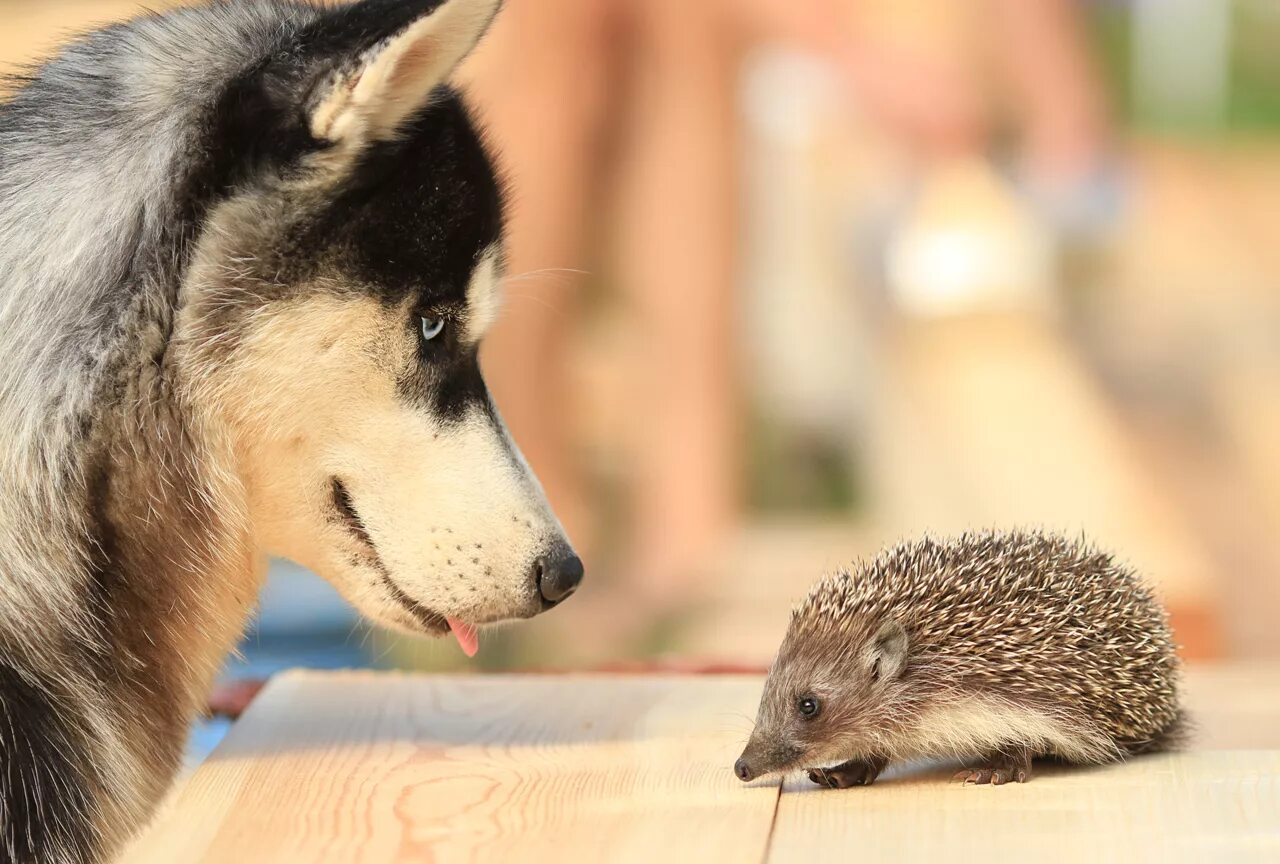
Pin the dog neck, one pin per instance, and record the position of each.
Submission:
(126, 586)
(172, 571)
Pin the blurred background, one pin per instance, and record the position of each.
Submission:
(793, 279)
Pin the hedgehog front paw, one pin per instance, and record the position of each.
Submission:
(1010, 767)
(855, 772)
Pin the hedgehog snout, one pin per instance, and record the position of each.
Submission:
(754, 761)
(762, 756)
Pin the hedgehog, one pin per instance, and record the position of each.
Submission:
(992, 649)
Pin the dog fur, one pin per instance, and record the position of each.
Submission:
(221, 229)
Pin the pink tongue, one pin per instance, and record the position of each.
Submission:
(466, 635)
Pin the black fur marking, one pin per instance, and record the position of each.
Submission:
(259, 121)
(253, 128)
(249, 127)
(347, 511)
(411, 224)
(430, 621)
(450, 389)
(44, 793)
(416, 213)
(358, 27)
(412, 219)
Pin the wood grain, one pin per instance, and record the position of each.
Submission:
(378, 768)
(1219, 802)
(365, 767)
(1190, 807)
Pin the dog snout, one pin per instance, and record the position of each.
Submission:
(557, 574)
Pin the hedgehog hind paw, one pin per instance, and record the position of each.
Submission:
(855, 772)
(991, 775)
(1008, 767)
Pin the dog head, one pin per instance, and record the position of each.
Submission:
(334, 312)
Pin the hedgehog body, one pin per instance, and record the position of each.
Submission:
(1000, 647)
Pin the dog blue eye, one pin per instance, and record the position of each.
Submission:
(431, 328)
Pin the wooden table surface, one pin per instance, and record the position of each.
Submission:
(375, 767)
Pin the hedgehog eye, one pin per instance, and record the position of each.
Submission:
(808, 706)
(430, 326)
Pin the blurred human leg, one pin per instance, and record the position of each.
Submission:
(677, 207)
(1054, 83)
(541, 85)
(1069, 166)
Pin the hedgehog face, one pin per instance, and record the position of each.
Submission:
(829, 697)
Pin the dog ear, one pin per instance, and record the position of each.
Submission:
(400, 53)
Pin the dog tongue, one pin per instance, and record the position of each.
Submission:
(466, 635)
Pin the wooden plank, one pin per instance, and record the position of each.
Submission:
(357, 767)
(1234, 706)
(1220, 801)
(1219, 806)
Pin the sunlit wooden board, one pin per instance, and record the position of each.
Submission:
(1200, 806)
(1220, 801)
(356, 767)
(379, 768)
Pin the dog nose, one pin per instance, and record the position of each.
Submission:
(558, 575)
(743, 770)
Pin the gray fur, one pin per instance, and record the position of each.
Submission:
(93, 149)
(128, 562)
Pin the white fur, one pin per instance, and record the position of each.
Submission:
(974, 726)
(484, 296)
(981, 725)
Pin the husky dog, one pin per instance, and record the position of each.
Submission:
(247, 253)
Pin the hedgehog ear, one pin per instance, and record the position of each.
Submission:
(371, 96)
(888, 651)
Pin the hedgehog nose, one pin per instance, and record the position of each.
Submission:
(743, 770)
